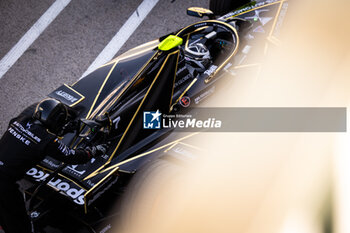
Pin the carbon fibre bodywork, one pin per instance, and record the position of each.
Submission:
(143, 79)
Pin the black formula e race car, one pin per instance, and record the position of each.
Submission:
(121, 104)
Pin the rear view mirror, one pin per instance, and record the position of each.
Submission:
(200, 12)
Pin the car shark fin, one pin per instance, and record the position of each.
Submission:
(157, 100)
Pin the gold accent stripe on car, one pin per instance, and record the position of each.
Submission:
(101, 88)
(81, 99)
(94, 113)
(274, 40)
(143, 100)
(183, 93)
(253, 9)
(246, 66)
(276, 17)
(271, 38)
(171, 144)
(172, 91)
(115, 167)
(126, 87)
(95, 186)
(170, 147)
(192, 146)
(132, 119)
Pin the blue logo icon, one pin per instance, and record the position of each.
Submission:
(151, 120)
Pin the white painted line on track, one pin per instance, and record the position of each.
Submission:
(31, 35)
(122, 35)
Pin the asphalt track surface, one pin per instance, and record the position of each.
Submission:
(71, 42)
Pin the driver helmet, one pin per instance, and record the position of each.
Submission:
(52, 114)
(198, 55)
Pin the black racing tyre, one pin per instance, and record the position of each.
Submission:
(149, 185)
(221, 7)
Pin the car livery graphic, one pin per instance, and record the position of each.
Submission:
(122, 102)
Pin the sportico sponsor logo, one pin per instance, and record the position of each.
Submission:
(77, 194)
